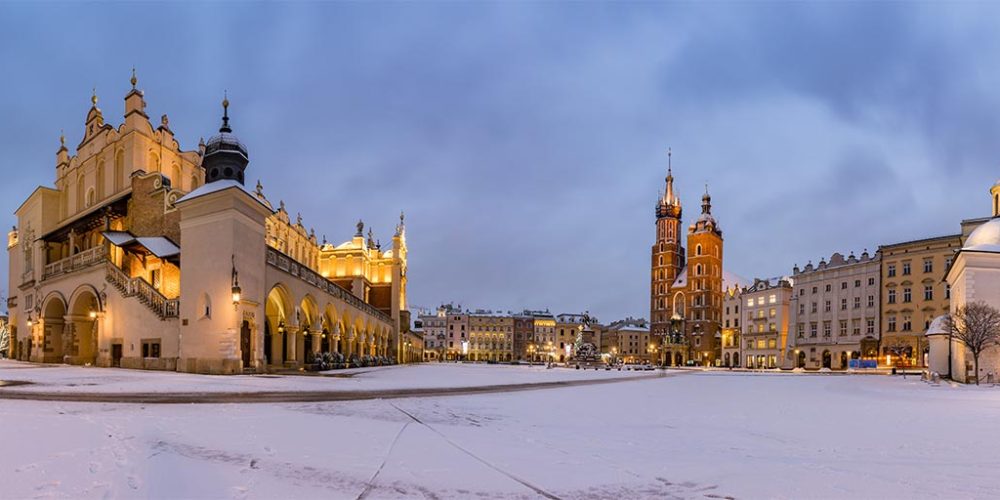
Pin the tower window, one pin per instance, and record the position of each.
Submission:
(697, 250)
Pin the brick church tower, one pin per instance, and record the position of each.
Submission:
(667, 256)
(686, 287)
(704, 285)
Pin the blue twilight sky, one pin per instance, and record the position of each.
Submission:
(527, 141)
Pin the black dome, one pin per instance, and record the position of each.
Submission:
(225, 156)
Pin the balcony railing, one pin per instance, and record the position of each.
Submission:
(292, 267)
(72, 263)
(142, 290)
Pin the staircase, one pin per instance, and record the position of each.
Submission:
(137, 287)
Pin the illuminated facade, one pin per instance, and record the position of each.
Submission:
(912, 295)
(732, 300)
(144, 255)
(835, 311)
(687, 283)
(766, 318)
(973, 276)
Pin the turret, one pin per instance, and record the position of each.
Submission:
(225, 156)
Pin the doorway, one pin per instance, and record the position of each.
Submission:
(245, 343)
(116, 355)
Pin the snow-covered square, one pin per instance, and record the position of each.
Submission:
(685, 434)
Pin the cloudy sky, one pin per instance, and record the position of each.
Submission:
(527, 141)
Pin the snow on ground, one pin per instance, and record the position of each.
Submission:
(64, 378)
(697, 435)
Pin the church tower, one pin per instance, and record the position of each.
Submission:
(704, 280)
(667, 255)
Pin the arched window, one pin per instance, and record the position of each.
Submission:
(205, 306)
(175, 176)
(79, 193)
(100, 179)
(91, 197)
(119, 170)
(697, 270)
(154, 162)
(697, 249)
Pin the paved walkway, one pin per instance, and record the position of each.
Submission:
(302, 396)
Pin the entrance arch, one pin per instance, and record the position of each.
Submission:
(827, 359)
(81, 329)
(801, 361)
(843, 361)
(276, 311)
(53, 325)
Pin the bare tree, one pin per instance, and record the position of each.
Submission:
(977, 325)
(897, 347)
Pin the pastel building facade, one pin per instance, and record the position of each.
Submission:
(145, 255)
(835, 311)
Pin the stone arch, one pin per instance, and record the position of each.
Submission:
(309, 312)
(277, 310)
(53, 327)
(678, 306)
(82, 325)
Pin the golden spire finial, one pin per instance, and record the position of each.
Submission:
(134, 80)
(93, 97)
(225, 112)
(62, 138)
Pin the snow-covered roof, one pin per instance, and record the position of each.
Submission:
(214, 187)
(939, 326)
(732, 279)
(159, 246)
(729, 279)
(986, 238)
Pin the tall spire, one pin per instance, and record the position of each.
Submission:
(225, 113)
(668, 196)
(670, 174)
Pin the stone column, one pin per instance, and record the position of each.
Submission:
(276, 341)
(317, 342)
(335, 338)
(293, 345)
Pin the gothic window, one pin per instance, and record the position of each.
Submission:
(119, 170)
(100, 179)
(697, 270)
(79, 193)
(697, 250)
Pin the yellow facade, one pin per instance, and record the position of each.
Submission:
(912, 295)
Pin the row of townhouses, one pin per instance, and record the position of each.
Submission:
(867, 310)
(453, 333)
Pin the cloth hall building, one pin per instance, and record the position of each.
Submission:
(144, 255)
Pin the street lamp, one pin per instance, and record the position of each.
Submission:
(237, 292)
